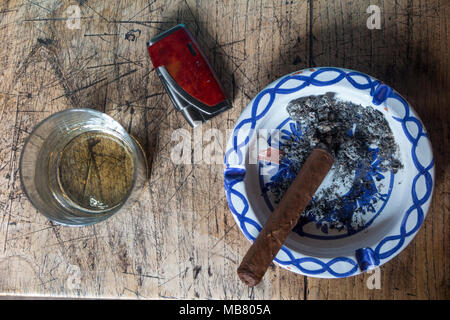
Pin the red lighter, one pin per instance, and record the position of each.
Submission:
(187, 76)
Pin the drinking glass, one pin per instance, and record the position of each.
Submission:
(80, 166)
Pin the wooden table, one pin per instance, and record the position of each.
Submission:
(181, 241)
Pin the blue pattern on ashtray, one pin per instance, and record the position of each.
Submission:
(366, 258)
(365, 202)
(303, 264)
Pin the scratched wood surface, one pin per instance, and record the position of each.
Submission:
(180, 240)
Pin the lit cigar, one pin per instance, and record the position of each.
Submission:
(284, 217)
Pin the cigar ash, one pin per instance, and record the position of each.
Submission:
(365, 153)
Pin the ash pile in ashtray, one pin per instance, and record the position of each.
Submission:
(363, 147)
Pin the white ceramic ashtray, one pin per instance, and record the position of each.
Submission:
(370, 215)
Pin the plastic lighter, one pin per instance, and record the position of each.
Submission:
(187, 76)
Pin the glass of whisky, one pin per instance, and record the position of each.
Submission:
(80, 166)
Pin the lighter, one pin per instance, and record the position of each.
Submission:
(187, 76)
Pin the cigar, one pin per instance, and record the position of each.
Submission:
(284, 217)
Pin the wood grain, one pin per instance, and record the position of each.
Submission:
(180, 240)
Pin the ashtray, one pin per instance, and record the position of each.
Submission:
(393, 205)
